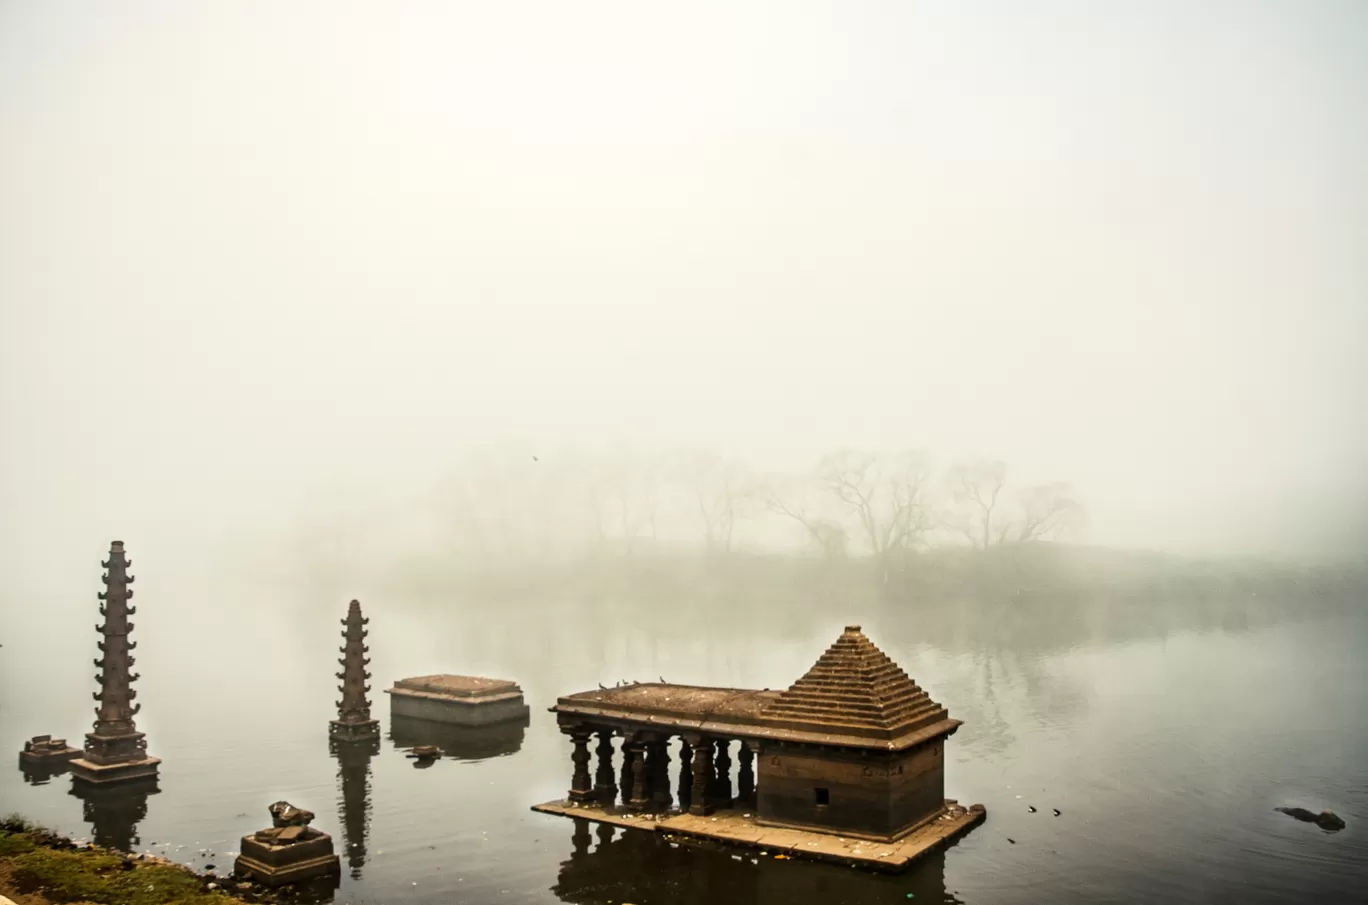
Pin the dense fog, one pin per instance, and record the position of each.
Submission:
(279, 275)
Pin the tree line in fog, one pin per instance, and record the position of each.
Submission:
(514, 502)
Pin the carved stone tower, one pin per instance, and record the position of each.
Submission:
(354, 721)
(116, 751)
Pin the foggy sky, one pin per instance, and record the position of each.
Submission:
(252, 250)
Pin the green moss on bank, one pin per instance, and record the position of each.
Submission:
(35, 862)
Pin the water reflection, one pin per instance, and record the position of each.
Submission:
(42, 774)
(354, 805)
(460, 742)
(115, 811)
(608, 864)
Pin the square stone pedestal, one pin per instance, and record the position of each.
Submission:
(294, 855)
(459, 700)
(143, 768)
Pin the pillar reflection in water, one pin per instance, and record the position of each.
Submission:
(114, 811)
(354, 806)
(629, 865)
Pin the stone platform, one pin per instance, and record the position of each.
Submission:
(302, 854)
(143, 768)
(739, 828)
(459, 700)
(46, 751)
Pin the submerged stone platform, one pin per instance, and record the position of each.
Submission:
(460, 700)
(44, 750)
(740, 828)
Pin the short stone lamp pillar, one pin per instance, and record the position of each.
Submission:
(290, 851)
(46, 751)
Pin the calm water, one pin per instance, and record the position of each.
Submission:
(1166, 753)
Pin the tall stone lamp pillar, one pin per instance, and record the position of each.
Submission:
(116, 751)
(354, 721)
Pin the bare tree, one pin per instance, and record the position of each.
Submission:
(721, 490)
(976, 488)
(626, 490)
(887, 496)
(1045, 510)
(989, 513)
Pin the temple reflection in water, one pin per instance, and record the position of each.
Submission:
(114, 811)
(460, 742)
(42, 773)
(354, 806)
(611, 864)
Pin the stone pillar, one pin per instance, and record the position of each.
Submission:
(703, 778)
(685, 773)
(116, 751)
(658, 774)
(605, 789)
(581, 789)
(745, 791)
(354, 721)
(723, 790)
(639, 800)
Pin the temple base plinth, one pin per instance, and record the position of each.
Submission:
(740, 828)
(294, 862)
(86, 771)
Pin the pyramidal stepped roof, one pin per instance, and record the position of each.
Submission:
(855, 689)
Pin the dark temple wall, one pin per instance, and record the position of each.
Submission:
(877, 794)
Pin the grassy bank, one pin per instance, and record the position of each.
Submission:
(38, 867)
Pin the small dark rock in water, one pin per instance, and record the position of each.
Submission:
(1011, 840)
(1031, 808)
(1056, 812)
(1326, 820)
(426, 752)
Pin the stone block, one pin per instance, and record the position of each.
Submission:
(459, 700)
(292, 854)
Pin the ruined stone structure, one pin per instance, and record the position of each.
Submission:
(353, 775)
(44, 750)
(354, 721)
(289, 851)
(460, 700)
(854, 749)
(116, 751)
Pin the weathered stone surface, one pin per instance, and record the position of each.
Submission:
(738, 828)
(116, 751)
(855, 689)
(289, 851)
(284, 814)
(853, 748)
(44, 749)
(462, 700)
(354, 721)
(853, 697)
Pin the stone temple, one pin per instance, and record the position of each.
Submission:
(845, 765)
